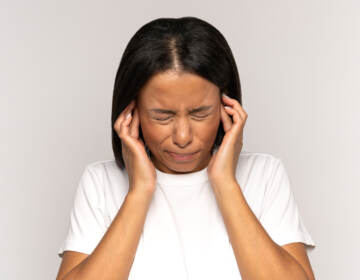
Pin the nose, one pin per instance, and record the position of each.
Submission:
(182, 133)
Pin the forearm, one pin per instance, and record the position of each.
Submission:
(257, 255)
(113, 257)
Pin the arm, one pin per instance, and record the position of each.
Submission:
(257, 255)
(113, 257)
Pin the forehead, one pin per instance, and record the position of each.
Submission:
(176, 90)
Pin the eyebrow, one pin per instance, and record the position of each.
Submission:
(199, 109)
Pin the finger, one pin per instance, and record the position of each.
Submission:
(122, 116)
(241, 111)
(125, 126)
(225, 118)
(236, 105)
(134, 125)
(234, 113)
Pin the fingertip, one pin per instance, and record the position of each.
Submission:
(127, 120)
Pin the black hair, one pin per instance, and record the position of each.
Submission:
(186, 44)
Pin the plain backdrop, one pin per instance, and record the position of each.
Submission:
(299, 68)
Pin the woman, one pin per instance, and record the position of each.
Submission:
(182, 200)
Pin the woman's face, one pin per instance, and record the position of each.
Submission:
(179, 113)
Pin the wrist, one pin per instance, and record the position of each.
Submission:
(142, 194)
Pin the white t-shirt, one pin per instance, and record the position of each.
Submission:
(184, 236)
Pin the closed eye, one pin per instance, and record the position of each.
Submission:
(165, 119)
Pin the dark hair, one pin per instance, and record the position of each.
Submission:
(186, 44)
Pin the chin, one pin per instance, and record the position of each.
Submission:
(182, 169)
(173, 165)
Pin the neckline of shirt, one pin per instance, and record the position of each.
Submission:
(181, 180)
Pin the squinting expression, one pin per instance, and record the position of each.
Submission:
(179, 115)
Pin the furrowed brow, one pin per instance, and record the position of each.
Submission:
(196, 110)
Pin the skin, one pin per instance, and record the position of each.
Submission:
(182, 131)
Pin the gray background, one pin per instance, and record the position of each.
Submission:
(299, 68)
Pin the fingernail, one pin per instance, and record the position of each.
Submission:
(128, 115)
(225, 95)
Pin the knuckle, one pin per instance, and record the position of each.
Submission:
(121, 135)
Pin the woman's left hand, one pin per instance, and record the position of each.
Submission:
(222, 165)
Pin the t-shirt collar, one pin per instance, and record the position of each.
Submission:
(186, 179)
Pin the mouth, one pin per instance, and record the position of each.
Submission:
(182, 157)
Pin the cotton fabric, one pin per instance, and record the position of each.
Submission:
(184, 236)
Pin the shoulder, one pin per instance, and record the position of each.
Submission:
(107, 174)
(255, 172)
(105, 167)
(257, 155)
(257, 161)
(101, 165)
(254, 169)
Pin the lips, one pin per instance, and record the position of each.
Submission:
(183, 154)
(182, 157)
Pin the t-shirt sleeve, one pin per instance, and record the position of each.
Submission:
(280, 216)
(86, 225)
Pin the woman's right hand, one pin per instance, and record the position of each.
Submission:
(141, 171)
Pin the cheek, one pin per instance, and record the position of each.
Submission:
(214, 123)
(213, 129)
(207, 131)
(152, 134)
